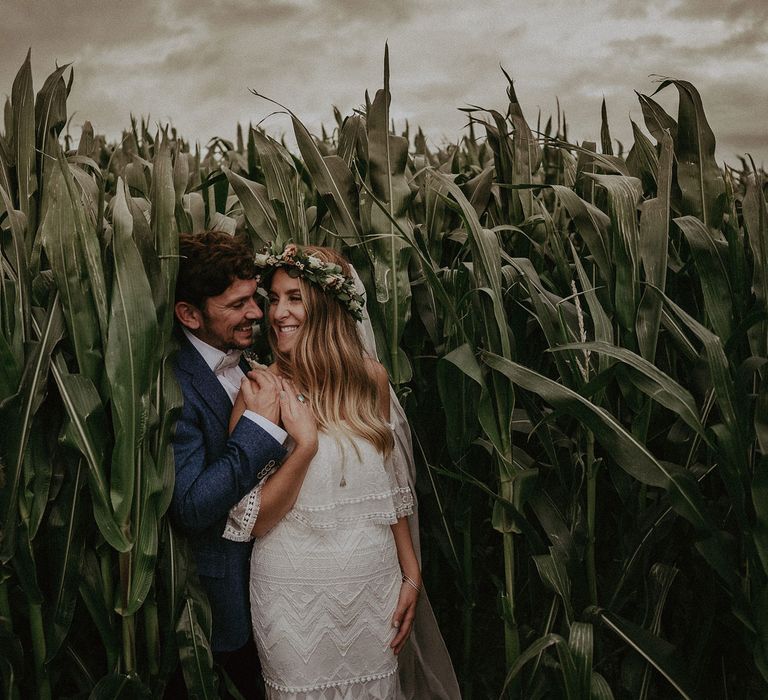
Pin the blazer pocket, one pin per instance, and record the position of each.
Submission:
(211, 564)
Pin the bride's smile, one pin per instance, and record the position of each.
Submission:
(287, 312)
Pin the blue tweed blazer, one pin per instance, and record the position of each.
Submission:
(214, 470)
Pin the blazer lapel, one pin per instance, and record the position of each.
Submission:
(204, 382)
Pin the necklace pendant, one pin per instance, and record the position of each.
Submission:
(343, 482)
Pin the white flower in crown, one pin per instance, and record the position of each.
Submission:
(335, 281)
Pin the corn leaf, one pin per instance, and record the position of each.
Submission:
(23, 102)
(592, 225)
(631, 455)
(600, 690)
(526, 153)
(650, 380)
(654, 242)
(142, 236)
(194, 207)
(10, 371)
(709, 250)
(84, 225)
(257, 208)
(719, 368)
(130, 347)
(581, 644)
(20, 262)
(334, 182)
(623, 197)
(51, 114)
(352, 140)
(464, 360)
(535, 650)
(66, 544)
(605, 131)
(119, 686)
(192, 634)
(551, 568)
(657, 121)
(25, 567)
(145, 526)
(283, 187)
(756, 221)
(759, 493)
(642, 160)
(546, 311)
(91, 590)
(87, 433)
(39, 486)
(601, 322)
(656, 651)
(163, 223)
(698, 175)
(65, 254)
(387, 160)
(169, 408)
(17, 414)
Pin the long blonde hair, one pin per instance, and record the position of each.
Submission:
(329, 363)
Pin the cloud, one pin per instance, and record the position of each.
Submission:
(235, 13)
(194, 61)
(727, 10)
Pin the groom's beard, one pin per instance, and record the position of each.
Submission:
(228, 338)
(234, 344)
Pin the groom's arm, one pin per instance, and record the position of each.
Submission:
(205, 490)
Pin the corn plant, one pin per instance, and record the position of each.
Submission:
(579, 337)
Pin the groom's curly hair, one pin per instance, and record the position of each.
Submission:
(209, 262)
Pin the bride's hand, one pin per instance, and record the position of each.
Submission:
(298, 420)
(404, 614)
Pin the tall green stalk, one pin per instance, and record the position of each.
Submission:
(127, 620)
(467, 618)
(509, 600)
(591, 470)
(37, 632)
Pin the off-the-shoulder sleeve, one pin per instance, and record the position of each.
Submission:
(242, 517)
(397, 471)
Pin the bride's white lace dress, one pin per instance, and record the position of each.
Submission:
(326, 579)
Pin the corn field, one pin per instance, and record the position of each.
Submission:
(579, 337)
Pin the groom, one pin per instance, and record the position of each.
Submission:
(216, 309)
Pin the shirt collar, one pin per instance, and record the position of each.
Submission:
(210, 354)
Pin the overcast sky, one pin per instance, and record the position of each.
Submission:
(193, 61)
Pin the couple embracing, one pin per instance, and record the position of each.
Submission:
(292, 484)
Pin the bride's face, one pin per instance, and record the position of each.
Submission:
(287, 313)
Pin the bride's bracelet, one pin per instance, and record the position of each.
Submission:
(411, 583)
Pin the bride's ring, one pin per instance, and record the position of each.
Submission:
(301, 398)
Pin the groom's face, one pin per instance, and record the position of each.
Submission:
(226, 320)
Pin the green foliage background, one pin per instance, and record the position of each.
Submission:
(579, 337)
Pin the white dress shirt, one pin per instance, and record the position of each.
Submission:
(230, 379)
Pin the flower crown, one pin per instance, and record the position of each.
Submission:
(328, 276)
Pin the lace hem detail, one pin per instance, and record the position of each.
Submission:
(376, 518)
(329, 684)
(242, 517)
(405, 492)
(389, 508)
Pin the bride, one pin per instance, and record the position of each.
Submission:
(334, 583)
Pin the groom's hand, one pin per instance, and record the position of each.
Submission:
(262, 394)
